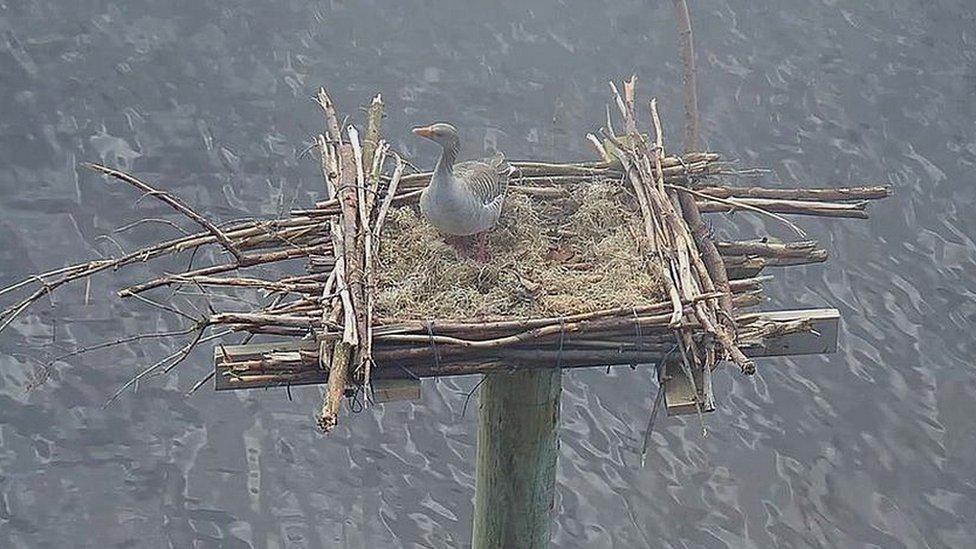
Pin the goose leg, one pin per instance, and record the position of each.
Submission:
(482, 253)
(460, 244)
(471, 247)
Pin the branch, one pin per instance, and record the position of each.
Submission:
(173, 202)
(683, 19)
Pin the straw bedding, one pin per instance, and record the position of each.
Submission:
(547, 257)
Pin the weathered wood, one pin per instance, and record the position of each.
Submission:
(328, 417)
(853, 210)
(680, 396)
(374, 119)
(822, 194)
(819, 336)
(395, 390)
(764, 248)
(348, 266)
(821, 339)
(515, 474)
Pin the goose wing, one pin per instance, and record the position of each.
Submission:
(486, 179)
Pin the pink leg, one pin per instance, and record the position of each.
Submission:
(482, 253)
(460, 245)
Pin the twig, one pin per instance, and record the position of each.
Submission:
(135, 224)
(121, 341)
(388, 199)
(167, 308)
(173, 202)
(328, 108)
(178, 355)
(210, 375)
(254, 259)
(736, 203)
(598, 147)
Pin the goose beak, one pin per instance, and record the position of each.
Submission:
(423, 131)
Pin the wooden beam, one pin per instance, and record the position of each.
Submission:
(395, 390)
(822, 339)
(224, 380)
(680, 396)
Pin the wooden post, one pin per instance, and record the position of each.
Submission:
(515, 476)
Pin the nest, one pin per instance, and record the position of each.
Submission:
(593, 263)
(577, 254)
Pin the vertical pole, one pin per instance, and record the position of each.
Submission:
(515, 475)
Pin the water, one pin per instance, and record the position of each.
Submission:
(871, 447)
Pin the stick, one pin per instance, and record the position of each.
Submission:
(598, 147)
(371, 144)
(255, 259)
(346, 266)
(388, 199)
(173, 202)
(338, 378)
(328, 109)
(764, 248)
(683, 20)
(766, 206)
(364, 250)
(840, 193)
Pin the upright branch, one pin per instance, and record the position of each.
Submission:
(671, 232)
(348, 270)
(352, 174)
(689, 208)
(332, 122)
(374, 153)
(371, 142)
(683, 20)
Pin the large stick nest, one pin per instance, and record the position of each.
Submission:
(593, 263)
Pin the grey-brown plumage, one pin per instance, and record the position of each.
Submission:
(463, 198)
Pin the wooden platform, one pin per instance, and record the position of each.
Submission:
(821, 339)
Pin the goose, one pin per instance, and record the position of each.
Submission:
(463, 198)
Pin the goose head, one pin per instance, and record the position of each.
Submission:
(441, 133)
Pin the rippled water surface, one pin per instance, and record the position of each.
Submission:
(874, 446)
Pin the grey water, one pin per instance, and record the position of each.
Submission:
(874, 446)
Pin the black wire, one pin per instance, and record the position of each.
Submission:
(433, 345)
(408, 372)
(355, 405)
(654, 409)
(464, 408)
(562, 337)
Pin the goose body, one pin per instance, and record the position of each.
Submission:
(463, 198)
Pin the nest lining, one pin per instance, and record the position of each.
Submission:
(547, 258)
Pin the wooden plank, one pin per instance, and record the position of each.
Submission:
(224, 381)
(384, 390)
(679, 395)
(395, 390)
(823, 339)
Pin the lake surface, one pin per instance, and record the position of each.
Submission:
(874, 446)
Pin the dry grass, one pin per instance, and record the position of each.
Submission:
(547, 258)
